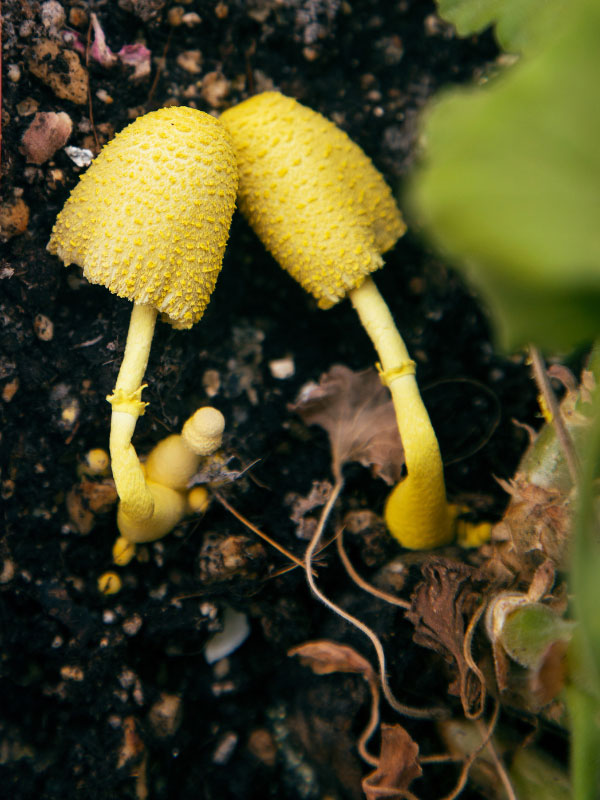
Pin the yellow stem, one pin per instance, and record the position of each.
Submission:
(416, 511)
(137, 349)
(136, 499)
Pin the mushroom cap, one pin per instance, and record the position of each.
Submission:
(150, 218)
(311, 194)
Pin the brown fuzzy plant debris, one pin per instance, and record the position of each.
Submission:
(356, 411)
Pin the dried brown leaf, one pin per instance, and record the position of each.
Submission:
(398, 765)
(302, 506)
(356, 411)
(440, 606)
(324, 656)
(537, 519)
(549, 678)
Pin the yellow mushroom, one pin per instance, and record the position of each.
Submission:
(96, 462)
(167, 473)
(109, 583)
(150, 220)
(326, 214)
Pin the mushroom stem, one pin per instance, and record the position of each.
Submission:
(416, 511)
(137, 351)
(136, 499)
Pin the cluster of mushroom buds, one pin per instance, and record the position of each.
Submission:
(150, 220)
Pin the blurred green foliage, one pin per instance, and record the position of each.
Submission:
(509, 187)
(519, 24)
(509, 190)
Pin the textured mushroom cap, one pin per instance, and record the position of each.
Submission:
(311, 194)
(150, 218)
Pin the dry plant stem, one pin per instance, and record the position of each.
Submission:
(136, 499)
(444, 758)
(543, 383)
(407, 711)
(257, 531)
(367, 587)
(416, 510)
(500, 768)
(473, 667)
(464, 774)
(371, 725)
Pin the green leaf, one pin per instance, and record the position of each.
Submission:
(529, 630)
(585, 744)
(511, 187)
(520, 24)
(583, 696)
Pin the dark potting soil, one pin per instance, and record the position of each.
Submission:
(111, 696)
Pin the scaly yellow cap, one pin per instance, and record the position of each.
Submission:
(150, 218)
(311, 194)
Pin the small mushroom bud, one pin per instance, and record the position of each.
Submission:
(168, 470)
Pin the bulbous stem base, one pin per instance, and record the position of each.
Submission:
(416, 512)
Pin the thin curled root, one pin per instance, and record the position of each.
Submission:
(408, 711)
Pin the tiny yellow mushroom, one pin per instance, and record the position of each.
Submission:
(123, 551)
(96, 462)
(109, 583)
(198, 500)
(150, 220)
(168, 471)
(326, 214)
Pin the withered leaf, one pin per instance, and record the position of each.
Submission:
(356, 411)
(398, 765)
(550, 676)
(538, 521)
(324, 656)
(302, 506)
(440, 604)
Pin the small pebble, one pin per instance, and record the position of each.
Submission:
(225, 748)
(81, 157)
(165, 715)
(190, 61)
(14, 218)
(78, 17)
(10, 389)
(8, 571)
(26, 28)
(104, 96)
(27, 107)
(71, 82)
(235, 632)
(133, 625)
(175, 16)
(282, 368)
(215, 88)
(211, 381)
(43, 328)
(262, 745)
(72, 673)
(46, 134)
(191, 19)
(53, 16)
